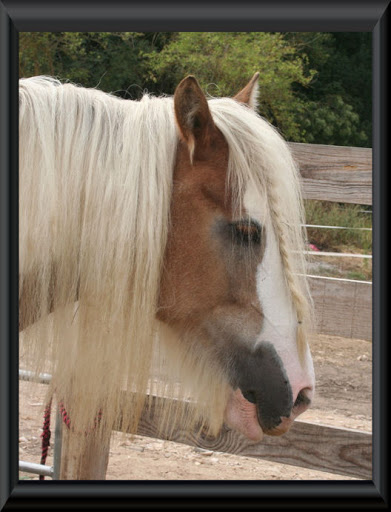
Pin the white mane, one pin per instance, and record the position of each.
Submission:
(95, 189)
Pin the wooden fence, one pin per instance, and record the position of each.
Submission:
(335, 173)
(343, 307)
(313, 446)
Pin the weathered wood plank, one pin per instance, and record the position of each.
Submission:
(335, 173)
(319, 447)
(84, 458)
(342, 307)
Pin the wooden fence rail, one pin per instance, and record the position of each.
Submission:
(335, 173)
(343, 307)
(312, 446)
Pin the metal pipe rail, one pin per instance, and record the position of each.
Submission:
(41, 469)
(38, 469)
(42, 378)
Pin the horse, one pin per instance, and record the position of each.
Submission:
(161, 252)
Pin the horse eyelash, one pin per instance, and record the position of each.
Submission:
(246, 232)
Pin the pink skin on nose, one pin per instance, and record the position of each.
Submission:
(241, 415)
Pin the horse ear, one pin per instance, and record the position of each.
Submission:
(193, 116)
(249, 95)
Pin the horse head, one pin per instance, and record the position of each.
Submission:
(228, 287)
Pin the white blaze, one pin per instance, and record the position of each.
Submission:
(280, 322)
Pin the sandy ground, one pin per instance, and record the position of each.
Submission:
(343, 398)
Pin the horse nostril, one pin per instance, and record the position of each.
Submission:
(261, 377)
(302, 401)
(250, 396)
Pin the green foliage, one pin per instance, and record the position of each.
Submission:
(331, 121)
(323, 213)
(337, 104)
(37, 52)
(314, 87)
(223, 62)
(357, 275)
(112, 61)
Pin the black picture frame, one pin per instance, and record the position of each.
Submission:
(172, 15)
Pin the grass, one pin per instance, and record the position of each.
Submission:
(353, 241)
(336, 214)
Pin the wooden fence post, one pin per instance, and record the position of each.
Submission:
(84, 459)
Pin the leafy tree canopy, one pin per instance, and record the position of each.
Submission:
(112, 61)
(315, 87)
(224, 61)
(337, 107)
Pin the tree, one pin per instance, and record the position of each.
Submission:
(314, 87)
(224, 61)
(113, 61)
(336, 107)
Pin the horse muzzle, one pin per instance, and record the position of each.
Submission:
(263, 394)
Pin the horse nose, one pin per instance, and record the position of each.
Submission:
(263, 380)
(270, 419)
(302, 401)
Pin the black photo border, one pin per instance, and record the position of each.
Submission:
(173, 15)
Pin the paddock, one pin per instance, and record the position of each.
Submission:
(333, 439)
(342, 406)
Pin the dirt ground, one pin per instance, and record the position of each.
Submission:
(343, 398)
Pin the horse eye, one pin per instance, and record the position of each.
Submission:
(246, 232)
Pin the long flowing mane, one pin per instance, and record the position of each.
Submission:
(96, 179)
